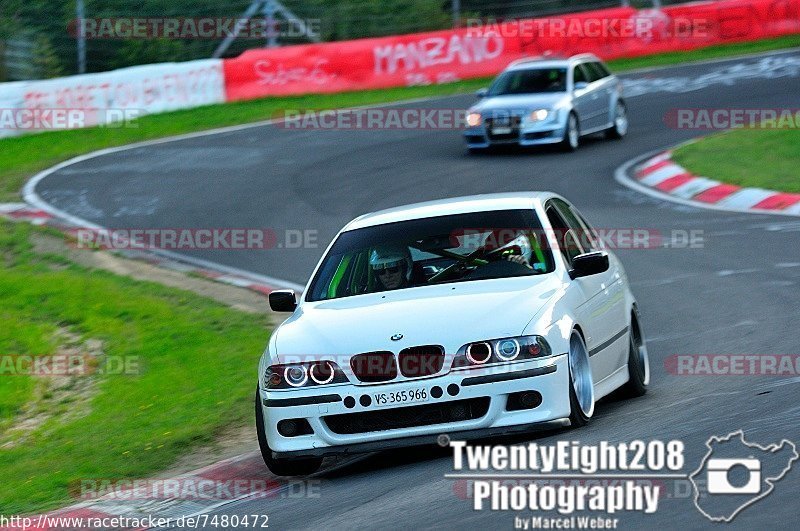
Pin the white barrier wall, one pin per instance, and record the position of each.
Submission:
(108, 97)
(12, 96)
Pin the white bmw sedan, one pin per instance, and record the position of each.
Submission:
(468, 317)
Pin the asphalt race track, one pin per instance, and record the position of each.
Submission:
(739, 294)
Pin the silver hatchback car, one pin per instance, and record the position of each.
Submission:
(548, 101)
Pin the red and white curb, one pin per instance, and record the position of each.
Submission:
(208, 270)
(23, 212)
(664, 177)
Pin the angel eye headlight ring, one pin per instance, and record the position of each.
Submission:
(322, 373)
(506, 349)
(479, 353)
(296, 375)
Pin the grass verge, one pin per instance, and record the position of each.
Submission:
(188, 374)
(760, 158)
(22, 156)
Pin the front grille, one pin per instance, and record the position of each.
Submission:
(421, 361)
(512, 122)
(374, 367)
(408, 416)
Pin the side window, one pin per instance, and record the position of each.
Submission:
(583, 233)
(602, 68)
(589, 239)
(350, 275)
(566, 213)
(590, 74)
(568, 241)
(595, 71)
(579, 74)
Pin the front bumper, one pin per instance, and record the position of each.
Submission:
(525, 134)
(482, 392)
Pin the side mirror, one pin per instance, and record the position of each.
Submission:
(283, 300)
(482, 93)
(588, 264)
(580, 85)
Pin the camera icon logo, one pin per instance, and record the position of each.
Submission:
(719, 471)
(736, 473)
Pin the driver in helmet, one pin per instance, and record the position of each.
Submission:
(392, 266)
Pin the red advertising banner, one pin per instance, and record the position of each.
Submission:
(485, 47)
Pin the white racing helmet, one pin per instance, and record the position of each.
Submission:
(523, 244)
(386, 257)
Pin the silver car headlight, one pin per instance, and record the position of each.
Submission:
(540, 115)
(474, 119)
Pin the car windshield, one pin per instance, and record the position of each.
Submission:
(530, 81)
(428, 251)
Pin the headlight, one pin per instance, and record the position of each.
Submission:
(296, 375)
(501, 351)
(322, 373)
(474, 119)
(507, 349)
(539, 115)
(478, 353)
(299, 375)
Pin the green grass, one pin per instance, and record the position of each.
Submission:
(19, 334)
(762, 158)
(22, 156)
(705, 54)
(197, 360)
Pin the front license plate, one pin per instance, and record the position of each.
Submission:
(401, 398)
(501, 130)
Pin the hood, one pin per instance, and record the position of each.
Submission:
(450, 315)
(520, 102)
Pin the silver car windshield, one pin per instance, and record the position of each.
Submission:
(437, 250)
(530, 81)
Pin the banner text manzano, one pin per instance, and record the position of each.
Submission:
(485, 50)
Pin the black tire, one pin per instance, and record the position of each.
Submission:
(577, 416)
(568, 142)
(282, 466)
(618, 131)
(637, 362)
